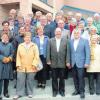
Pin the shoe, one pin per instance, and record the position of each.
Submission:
(30, 96)
(16, 97)
(82, 96)
(91, 93)
(97, 93)
(43, 86)
(0, 97)
(62, 94)
(55, 94)
(75, 93)
(39, 85)
(6, 95)
(14, 86)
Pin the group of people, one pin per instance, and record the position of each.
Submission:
(65, 43)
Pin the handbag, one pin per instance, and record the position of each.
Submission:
(40, 65)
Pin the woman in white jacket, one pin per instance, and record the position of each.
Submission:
(94, 68)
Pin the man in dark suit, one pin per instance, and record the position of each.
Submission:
(80, 59)
(58, 57)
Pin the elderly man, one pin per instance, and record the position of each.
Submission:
(96, 22)
(58, 58)
(80, 59)
(65, 32)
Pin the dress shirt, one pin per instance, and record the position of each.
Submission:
(58, 44)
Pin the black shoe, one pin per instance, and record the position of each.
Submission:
(97, 93)
(6, 95)
(14, 86)
(91, 93)
(75, 93)
(82, 95)
(55, 94)
(62, 94)
(0, 97)
(39, 85)
(43, 86)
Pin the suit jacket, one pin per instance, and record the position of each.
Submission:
(58, 59)
(66, 33)
(82, 54)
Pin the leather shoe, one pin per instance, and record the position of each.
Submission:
(75, 93)
(6, 95)
(62, 94)
(82, 95)
(91, 93)
(55, 94)
(97, 93)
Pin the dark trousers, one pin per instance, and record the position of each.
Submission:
(78, 77)
(6, 83)
(42, 75)
(58, 85)
(91, 78)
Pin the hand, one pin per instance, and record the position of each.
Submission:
(34, 69)
(86, 65)
(8, 59)
(68, 65)
(19, 67)
(49, 63)
(5, 60)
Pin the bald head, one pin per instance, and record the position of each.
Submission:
(58, 33)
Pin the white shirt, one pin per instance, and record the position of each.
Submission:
(76, 41)
(58, 44)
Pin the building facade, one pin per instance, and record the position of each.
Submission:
(29, 6)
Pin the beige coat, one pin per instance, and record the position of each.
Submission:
(95, 62)
(27, 58)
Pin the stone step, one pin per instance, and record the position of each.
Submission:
(46, 94)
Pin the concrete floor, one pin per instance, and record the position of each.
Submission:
(46, 94)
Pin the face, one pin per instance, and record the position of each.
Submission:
(6, 26)
(58, 17)
(27, 39)
(12, 13)
(93, 31)
(78, 16)
(81, 26)
(5, 38)
(40, 31)
(27, 21)
(20, 20)
(76, 35)
(58, 33)
(61, 24)
(27, 28)
(49, 17)
(22, 31)
(89, 22)
(70, 15)
(38, 15)
(43, 21)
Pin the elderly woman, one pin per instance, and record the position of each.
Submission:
(6, 71)
(94, 68)
(26, 63)
(42, 41)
